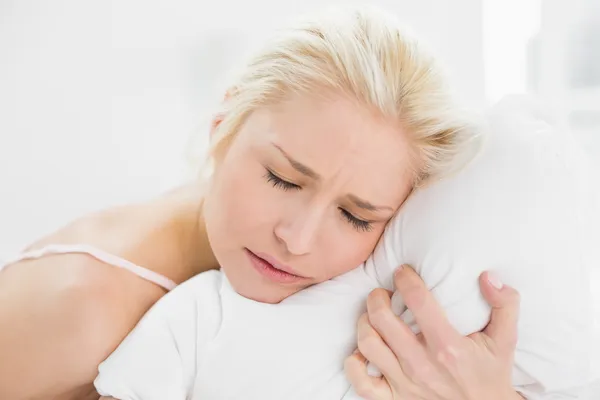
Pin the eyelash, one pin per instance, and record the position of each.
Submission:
(358, 224)
(280, 183)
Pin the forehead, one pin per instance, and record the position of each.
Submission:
(339, 139)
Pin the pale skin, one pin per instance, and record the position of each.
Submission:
(69, 312)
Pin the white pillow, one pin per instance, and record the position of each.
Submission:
(519, 209)
(526, 208)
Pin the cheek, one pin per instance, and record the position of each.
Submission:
(344, 252)
(240, 205)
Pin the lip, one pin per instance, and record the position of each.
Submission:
(271, 269)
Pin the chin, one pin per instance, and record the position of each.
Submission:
(254, 288)
(261, 295)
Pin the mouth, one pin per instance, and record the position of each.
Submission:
(271, 272)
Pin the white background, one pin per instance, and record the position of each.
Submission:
(99, 100)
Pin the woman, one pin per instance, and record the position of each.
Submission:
(317, 145)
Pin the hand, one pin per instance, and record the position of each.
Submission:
(438, 363)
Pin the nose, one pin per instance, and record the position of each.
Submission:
(299, 230)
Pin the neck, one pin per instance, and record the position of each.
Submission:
(203, 258)
(193, 244)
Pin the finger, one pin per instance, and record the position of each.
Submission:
(394, 332)
(505, 301)
(366, 386)
(372, 346)
(429, 315)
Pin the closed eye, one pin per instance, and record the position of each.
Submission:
(358, 224)
(280, 183)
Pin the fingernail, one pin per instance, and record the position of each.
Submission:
(398, 270)
(494, 280)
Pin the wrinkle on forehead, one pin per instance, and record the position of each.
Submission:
(346, 144)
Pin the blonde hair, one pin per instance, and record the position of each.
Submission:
(363, 53)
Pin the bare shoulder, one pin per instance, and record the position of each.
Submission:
(68, 312)
(64, 320)
(84, 283)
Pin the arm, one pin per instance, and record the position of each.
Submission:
(67, 313)
(65, 316)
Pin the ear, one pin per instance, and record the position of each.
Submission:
(217, 119)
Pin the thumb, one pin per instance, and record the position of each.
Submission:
(505, 302)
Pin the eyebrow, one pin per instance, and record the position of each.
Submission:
(366, 205)
(298, 166)
(309, 172)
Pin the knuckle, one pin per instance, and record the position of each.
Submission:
(380, 317)
(364, 389)
(376, 293)
(364, 331)
(421, 374)
(364, 327)
(358, 380)
(376, 299)
(404, 273)
(415, 297)
(448, 356)
(367, 344)
(350, 365)
(363, 320)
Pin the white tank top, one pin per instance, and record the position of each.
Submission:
(101, 255)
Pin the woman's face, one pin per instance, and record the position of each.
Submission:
(303, 194)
